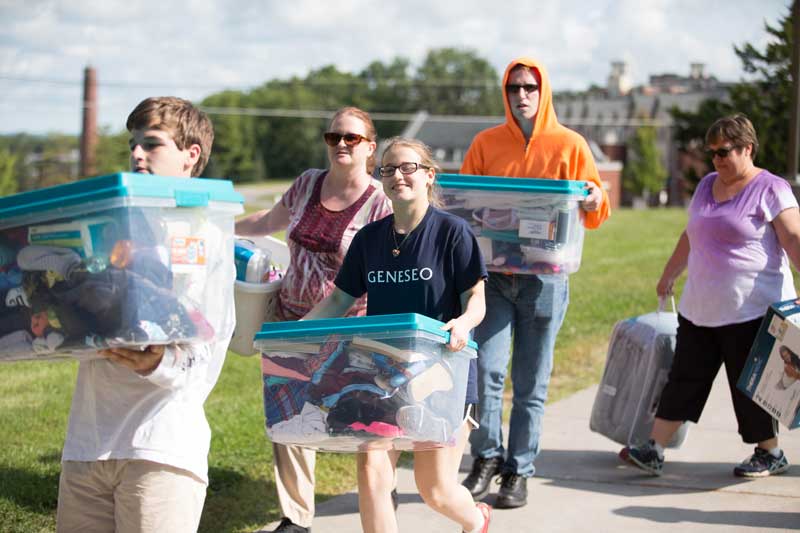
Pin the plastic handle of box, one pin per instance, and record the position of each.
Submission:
(662, 303)
(191, 198)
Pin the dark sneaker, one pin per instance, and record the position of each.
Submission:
(644, 457)
(486, 511)
(287, 526)
(513, 491)
(479, 479)
(762, 464)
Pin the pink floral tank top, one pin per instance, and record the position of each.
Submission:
(318, 240)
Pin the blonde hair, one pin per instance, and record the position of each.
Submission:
(183, 121)
(426, 158)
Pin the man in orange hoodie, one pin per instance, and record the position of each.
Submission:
(528, 308)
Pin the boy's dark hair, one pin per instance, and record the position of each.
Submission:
(187, 124)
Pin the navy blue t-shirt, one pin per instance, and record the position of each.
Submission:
(438, 261)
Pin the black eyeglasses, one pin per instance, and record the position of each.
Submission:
(513, 88)
(350, 139)
(387, 171)
(722, 153)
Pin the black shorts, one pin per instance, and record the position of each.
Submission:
(699, 353)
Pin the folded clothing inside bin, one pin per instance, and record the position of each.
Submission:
(66, 301)
(365, 388)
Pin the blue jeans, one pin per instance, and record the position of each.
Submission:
(531, 310)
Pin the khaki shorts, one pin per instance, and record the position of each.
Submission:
(126, 495)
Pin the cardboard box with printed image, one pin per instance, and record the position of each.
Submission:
(771, 376)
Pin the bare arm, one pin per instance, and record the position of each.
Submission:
(334, 305)
(787, 227)
(675, 266)
(264, 222)
(473, 302)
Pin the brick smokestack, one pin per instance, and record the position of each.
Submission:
(89, 131)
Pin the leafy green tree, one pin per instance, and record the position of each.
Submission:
(643, 173)
(8, 178)
(390, 89)
(249, 148)
(389, 85)
(235, 153)
(766, 101)
(453, 81)
(112, 153)
(288, 145)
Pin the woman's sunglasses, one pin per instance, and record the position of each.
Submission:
(722, 153)
(350, 139)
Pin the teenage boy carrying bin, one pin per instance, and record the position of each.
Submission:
(135, 455)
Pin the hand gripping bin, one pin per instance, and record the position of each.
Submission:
(639, 359)
(523, 225)
(119, 260)
(363, 383)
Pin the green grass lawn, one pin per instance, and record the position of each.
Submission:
(621, 264)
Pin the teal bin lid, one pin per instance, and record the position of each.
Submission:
(504, 184)
(195, 192)
(357, 325)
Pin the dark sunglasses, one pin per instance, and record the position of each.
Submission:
(513, 88)
(722, 153)
(387, 171)
(350, 139)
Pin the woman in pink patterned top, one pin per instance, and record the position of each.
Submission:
(321, 212)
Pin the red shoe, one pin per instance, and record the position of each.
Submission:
(486, 511)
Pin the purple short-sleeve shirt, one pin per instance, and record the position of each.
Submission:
(737, 267)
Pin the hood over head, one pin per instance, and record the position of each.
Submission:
(545, 118)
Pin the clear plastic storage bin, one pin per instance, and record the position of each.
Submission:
(119, 260)
(363, 383)
(523, 225)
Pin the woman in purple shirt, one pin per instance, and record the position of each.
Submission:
(743, 222)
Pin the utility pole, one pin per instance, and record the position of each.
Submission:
(794, 122)
(89, 129)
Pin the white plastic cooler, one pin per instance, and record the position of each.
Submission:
(119, 260)
(363, 383)
(523, 225)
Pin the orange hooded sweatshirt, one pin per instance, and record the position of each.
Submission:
(553, 151)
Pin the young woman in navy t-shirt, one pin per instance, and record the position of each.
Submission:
(418, 260)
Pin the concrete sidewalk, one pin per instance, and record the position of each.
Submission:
(581, 485)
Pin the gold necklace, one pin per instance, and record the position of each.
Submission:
(396, 249)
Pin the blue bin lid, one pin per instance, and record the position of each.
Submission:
(195, 192)
(357, 325)
(505, 184)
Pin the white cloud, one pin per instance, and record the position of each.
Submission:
(194, 48)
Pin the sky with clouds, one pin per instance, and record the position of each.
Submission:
(198, 47)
